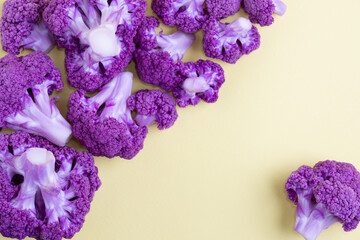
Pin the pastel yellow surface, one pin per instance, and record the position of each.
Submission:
(219, 173)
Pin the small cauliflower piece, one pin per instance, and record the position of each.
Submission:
(222, 8)
(103, 123)
(22, 27)
(325, 194)
(25, 85)
(97, 35)
(157, 68)
(229, 41)
(200, 80)
(158, 57)
(45, 191)
(153, 106)
(187, 15)
(158, 62)
(261, 11)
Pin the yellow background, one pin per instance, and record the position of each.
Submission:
(219, 173)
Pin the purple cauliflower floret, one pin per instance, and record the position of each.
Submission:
(158, 62)
(153, 106)
(157, 69)
(158, 57)
(261, 11)
(175, 44)
(230, 41)
(187, 15)
(200, 80)
(45, 191)
(97, 23)
(25, 85)
(103, 123)
(22, 27)
(98, 37)
(325, 194)
(222, 8)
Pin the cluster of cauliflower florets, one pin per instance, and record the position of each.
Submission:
(46, 188)
(100, 38)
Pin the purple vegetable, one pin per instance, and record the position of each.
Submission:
(153, 106)
(230, 41)
(187, 15)
(175, 44)
(158, 57)
(325, 194)
(98, 37)
(200, 80)
(261, 11)
(103, 123)
(22, 27)
(45, 191)
(25, 86)
(158, 62)
(157, 68)
(222, 8)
